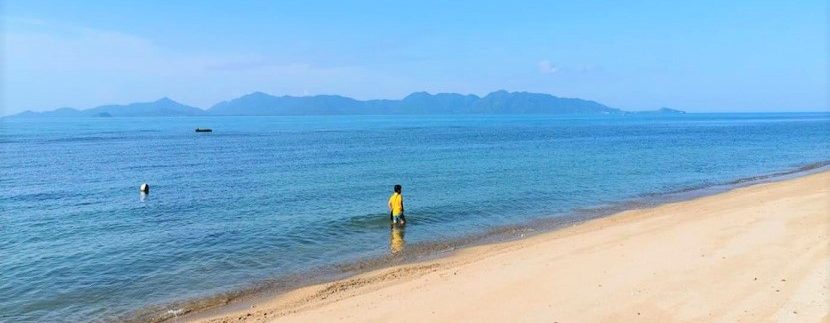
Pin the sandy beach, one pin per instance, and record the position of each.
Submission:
(754, 254)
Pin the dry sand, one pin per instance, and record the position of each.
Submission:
(754, 254)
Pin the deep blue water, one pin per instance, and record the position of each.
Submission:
(262, 197)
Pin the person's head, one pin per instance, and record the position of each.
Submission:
(398, 189)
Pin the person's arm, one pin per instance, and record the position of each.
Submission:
(403, 218)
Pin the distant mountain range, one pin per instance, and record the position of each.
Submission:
(664, 110)
(262, 104)
(161, 108)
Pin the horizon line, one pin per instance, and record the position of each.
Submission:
(628, 109)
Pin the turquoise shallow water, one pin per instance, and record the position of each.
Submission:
(261, 198)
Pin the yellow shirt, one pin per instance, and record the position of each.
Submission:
(396, 203)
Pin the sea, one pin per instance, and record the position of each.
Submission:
(264, 204)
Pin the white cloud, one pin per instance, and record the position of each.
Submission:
(546, 67)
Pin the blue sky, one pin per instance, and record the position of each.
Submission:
(699, 56)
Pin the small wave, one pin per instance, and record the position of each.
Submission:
(806, 168)
(39, 197)
(332, 272)
(86, 139)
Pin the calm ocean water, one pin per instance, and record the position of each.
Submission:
(260, 198)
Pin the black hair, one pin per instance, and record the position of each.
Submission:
(397, 189)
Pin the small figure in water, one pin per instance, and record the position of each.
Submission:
(145, 190)
(396, 206)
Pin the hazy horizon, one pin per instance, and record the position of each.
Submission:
(702, 57)
(207, 108)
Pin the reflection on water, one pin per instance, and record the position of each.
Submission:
(396, 241)
(142, 197)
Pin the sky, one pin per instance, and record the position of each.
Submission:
(698, 56)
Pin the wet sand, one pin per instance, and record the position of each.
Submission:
(753, 254)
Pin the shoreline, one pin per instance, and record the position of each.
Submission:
(395, 273)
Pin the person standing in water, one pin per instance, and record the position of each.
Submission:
(396, 206)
